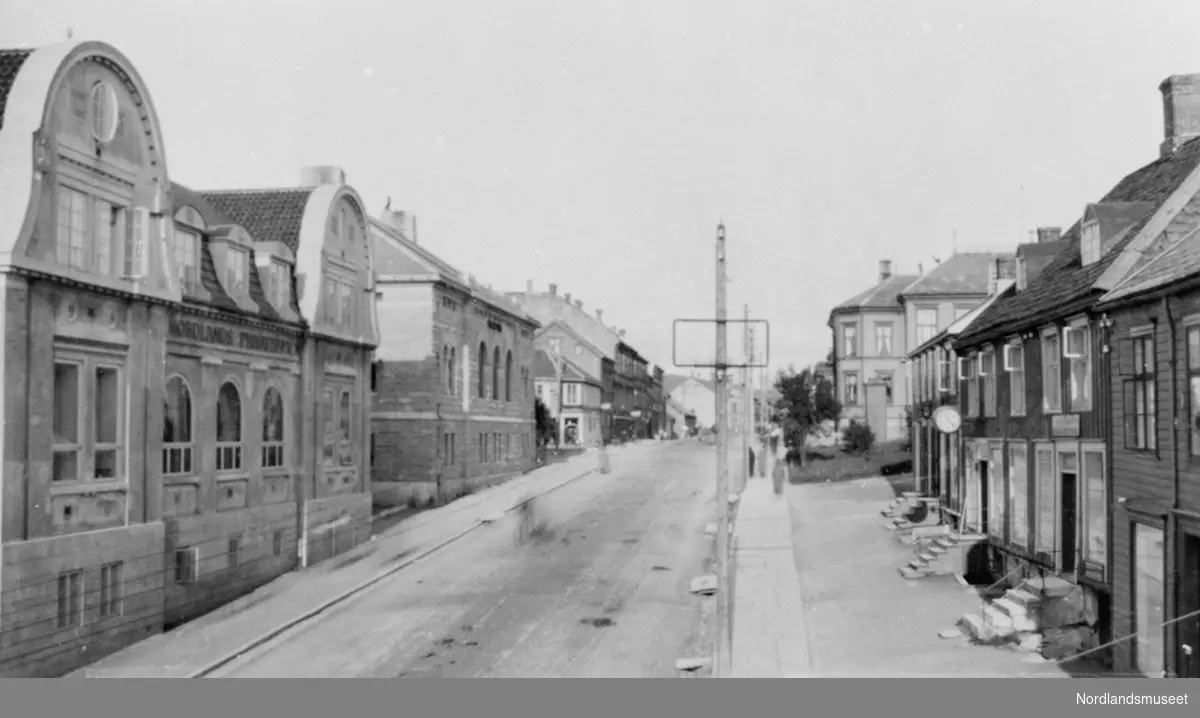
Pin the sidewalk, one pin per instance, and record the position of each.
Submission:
(213, 636)
(769, 633)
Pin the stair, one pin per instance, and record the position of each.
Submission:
(1017, 614)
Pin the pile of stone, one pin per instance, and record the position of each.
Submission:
(1048, 615)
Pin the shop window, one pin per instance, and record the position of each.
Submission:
(229, 428)
(86, 389)
(345, 457)
(1018, 482)
(177, 428)
(272, 448)
(1045, 504)
(1149, 598)
(508, 377)
(1094, 530)
(328, 419)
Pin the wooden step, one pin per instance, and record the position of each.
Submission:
(937, 550)
(928, 557)
(1023, 597)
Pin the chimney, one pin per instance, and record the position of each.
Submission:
(400, 221)
(529, 286)
(554, 290)
(600, 315)
(1048, 234)
(1181, 111)
(885, 270)
(567, 297)
(322, 175)
(621, 333)
(579, 304)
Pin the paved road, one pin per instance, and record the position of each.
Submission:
(603, 593)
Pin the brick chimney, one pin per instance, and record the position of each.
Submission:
(402, 222)
(567, 297)
(885, 270)
(600, 315)
(322, 175)
(579, 304)
(1181, 111)
(1048, 234)
(554, 290)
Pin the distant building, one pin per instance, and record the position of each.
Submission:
(580, 397)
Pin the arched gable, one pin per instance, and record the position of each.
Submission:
(33, 159)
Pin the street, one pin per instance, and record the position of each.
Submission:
(602, 591)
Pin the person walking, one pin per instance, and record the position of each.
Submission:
(751, 450)
(778, 471)
(604, 465)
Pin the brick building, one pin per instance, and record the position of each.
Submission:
(158, 384)
(453, 382)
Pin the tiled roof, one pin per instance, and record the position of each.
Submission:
(269, 215)
(10, 64)
(214, 217)
(885, 295)
(1116, 217)
(1177, 263)
(963, 273)
(1064, 287)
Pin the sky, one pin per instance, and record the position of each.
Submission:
(596, 145)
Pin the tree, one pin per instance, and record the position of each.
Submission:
(804, 403)
(547, 427)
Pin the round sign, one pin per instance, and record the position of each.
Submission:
(947, 419)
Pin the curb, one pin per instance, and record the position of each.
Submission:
(346, 595)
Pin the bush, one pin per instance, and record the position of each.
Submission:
(858, 438)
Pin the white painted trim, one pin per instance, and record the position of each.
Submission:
(1048, 331)
(1077, 321)
(1191, 320)
(1141, 330)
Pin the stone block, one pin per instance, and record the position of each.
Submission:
(1060, 643)
(1063, 610)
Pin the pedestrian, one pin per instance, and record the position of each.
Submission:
(604, 466)
(777, 473)
(751, 450)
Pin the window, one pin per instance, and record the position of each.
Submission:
(1148, 596)
(70, 599)
(229, 428)
(277, 542)
(988, 366)
(483, 448)
(1193, 365)
(1014, 364)
(185, 564)
(278, 287)
(237, 263)
(1140, 396)
(1089, 243)
(177, 428)
(572, 394)
(971, 374)
(186, 248)
(945, 370)
(508, 376)
(1095, 509)
(482, 370)
(1079, 369)
(110, 227)
(105, 112)
(96, 455)
(72, 228)
(1018, 493)
(451, 376)
(851, 389)
(344, 454)
(1045, 504)
(849, 341)
(110, 590)
(997, 500)
(136, 242)
(886, 378)
(496, 373)
(233, 552)
(926, 325)
(272, 448)
(328, 418)
(1051, 374)
(883, 340)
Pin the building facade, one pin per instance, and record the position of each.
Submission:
(158, 388)
(568, 391)
(453, 388)
(698, 399)
(869, 348)
(1038, 370)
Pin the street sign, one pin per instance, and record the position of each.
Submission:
(636, 413)
(694, 344)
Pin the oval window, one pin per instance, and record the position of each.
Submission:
(104, 112)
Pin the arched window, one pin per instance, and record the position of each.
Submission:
(482, 375)
(496, 374)
(508, 377)
(229, 428)
(272, 449)
(452, 379)
(345, 457)
(177, 428)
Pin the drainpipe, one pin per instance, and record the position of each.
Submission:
(1173, 358)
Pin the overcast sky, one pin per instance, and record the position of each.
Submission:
(597, 144)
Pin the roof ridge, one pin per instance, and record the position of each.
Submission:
(254, 190)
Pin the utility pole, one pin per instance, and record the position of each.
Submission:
(557, 345)
(723, 624)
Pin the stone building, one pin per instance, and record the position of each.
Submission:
(453, 381)
(164, 372)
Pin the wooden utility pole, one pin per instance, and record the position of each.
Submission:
(723, 623)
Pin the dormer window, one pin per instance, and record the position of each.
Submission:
(1089, 244)
(186, 245)
(278, 282)
(237, 269)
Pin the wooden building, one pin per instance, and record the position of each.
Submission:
(1037, 370)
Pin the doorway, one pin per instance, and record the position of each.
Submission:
(1068, 475)
(1188, 659)
(984, 498)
